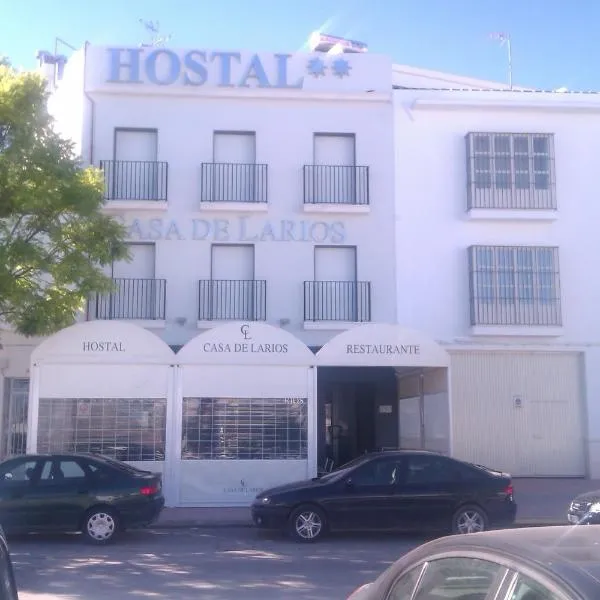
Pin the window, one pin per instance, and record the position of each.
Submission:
(334, 178)
(14, 417)
(56, 471)
(428, 470)
(232, 292)
(459, 579)
(377, 473)
(335, 294)
(511, 171)
(514, 285)
(122, 428)
(137, 293)
(19, 472)
(403, 586)
(234, 176)
(244, 428)
(135, 173)
(527, 589)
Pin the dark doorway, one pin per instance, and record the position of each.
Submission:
(358, 411)
(365, 417)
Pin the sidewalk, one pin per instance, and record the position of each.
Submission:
(540, 502)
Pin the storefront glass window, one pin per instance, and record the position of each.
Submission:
(244, 428)
(122, 428)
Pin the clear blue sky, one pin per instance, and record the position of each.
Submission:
(554, 42)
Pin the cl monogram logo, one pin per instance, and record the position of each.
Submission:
(244, 329)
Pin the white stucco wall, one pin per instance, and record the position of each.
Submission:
(285, 122)
(434, 228)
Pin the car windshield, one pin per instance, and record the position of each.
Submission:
(339, 471)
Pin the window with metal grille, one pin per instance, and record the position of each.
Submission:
(122, 428)
(510, 170)
(514, 285)
(13, 435)
(244, 428)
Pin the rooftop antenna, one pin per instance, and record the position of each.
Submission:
(153, 29)
(58, 41)
(504, 39)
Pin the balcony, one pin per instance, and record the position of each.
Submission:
(132, 299)
(232, 300)
(332, 187)
(337, 301)
(227, 185)
(135, 181)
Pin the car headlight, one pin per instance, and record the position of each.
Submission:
(594, 508)
(267, 500)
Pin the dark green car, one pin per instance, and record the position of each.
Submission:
(96, 495)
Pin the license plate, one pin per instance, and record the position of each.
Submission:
(572, 519)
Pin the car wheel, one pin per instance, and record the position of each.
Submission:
(307, 524)
(469, 519)
(100, 525)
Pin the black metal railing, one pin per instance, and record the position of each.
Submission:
(232, 300)
(513, 171)
(143, 299)
(233, 182)
(333, 184)
(135, 180)
(337, 301)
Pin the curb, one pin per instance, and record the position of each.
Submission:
(202, 525)
(543, 522)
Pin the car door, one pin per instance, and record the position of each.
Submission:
(366, 498)
(19, 510)
(63, 491)
(429, 492)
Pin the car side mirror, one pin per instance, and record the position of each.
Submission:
(8, 476)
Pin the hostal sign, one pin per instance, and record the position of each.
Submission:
(162, 66)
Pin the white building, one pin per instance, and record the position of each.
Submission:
(300, 231)
(497, 235)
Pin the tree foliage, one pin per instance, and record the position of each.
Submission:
(54, 239)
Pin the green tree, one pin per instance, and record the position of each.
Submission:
(54, 239)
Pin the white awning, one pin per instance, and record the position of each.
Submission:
(243, 343)
(382, 345)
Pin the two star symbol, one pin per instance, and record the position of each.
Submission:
(340, 67)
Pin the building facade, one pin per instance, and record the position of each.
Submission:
(328, 255)
(496, 221)
(258, 196)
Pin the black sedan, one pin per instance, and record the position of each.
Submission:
(536, 563)
(399, 490)
(585, 509)
(77, 492)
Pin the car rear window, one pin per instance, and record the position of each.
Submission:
(121, 466)
(485, 469)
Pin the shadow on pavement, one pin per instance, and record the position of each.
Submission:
(193, 564)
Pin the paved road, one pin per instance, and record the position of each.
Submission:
(200, 564)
